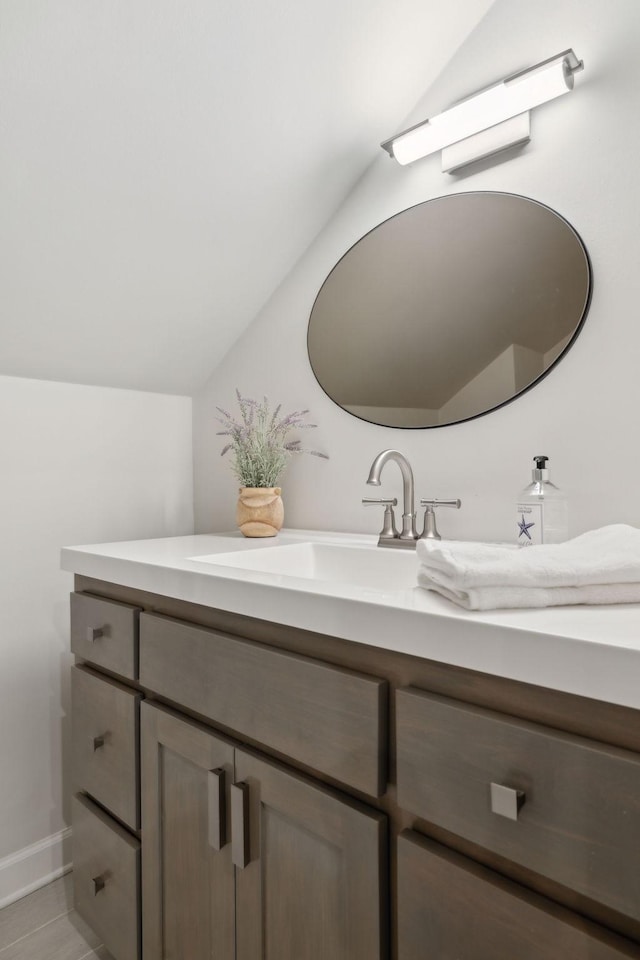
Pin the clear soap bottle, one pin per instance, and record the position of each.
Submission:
(542, 510)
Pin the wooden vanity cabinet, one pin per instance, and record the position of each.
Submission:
(562, 811)
(105, 770)
(188, 876)
(300, 866)
(246, 800)
(106, 878)
(104, 633)
(243, 858)
(307, 798)
(311, 712)
(452, 908)
(105, 743)
(564, 807)
(314, 884)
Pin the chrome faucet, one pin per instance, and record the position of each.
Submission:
(408, 535)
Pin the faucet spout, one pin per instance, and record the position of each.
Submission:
(408, 508)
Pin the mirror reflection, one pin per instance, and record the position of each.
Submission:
(449, 309)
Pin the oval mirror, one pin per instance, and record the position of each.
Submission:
(449, 309)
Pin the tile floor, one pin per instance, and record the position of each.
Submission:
(44, 926)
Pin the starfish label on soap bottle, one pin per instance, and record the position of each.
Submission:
(530, 519)
(541, 510)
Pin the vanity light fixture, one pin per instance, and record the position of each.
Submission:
(488, 121)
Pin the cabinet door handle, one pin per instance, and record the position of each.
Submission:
(97, 742)
(94, 633)
(98, 885)
(217, 808)
(240, 853)
(505, 801)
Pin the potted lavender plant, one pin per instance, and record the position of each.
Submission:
(261, 451)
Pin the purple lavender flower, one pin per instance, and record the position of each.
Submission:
(259, 440)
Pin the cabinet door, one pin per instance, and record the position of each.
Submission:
(450, 908)
(310, 867)
(187, 874)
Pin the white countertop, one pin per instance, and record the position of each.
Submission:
(591, 651)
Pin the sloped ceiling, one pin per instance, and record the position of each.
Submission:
(164, 163)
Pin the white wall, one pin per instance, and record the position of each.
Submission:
(583, 161)
(78, 465)
(148, 146)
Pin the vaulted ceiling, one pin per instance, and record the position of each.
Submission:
(164, 163)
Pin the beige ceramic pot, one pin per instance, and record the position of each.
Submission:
(260, 512)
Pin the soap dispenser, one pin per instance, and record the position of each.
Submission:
(542, 510)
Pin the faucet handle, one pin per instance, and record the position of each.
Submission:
(389, 530)
(430, 531)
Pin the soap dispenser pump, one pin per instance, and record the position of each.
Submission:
(542, 510)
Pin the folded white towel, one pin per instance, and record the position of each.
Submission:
(495, 598)
(610, 555)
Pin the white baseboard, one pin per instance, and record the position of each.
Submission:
(34, 866)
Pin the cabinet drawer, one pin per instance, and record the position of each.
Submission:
(106, 878)
(327, 718)
(450, 908)
(468, 769)
(105, 725)
(105, 633)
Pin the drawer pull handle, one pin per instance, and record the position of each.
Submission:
(217, 808)
(240, 854)
(98, 885)
(97, 742)
(505, 801)
(94, 633)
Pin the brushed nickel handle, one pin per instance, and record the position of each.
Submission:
(94, 633)
(97, 742)
(98, 885)
(430, 531)
(217, 808)
(505, 801)
(389, 530)
(240, 852)
(425, 502)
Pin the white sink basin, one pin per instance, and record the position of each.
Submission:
(360, 566)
